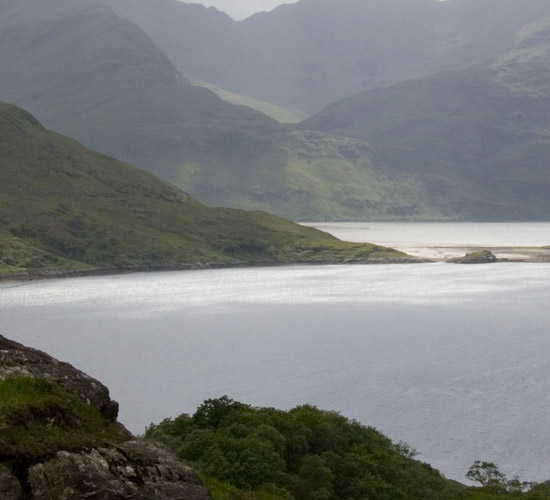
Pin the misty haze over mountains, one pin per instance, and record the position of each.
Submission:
(434, 110)
(308, 54)
(241, 9)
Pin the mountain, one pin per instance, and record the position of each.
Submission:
(307, 54)
(88, 74)
(478, 138)
(65, 207)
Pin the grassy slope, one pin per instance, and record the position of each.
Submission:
(478, 138)
(309, 177)
(63, 206)
(282, 115)
(38, 418)
(90, 75)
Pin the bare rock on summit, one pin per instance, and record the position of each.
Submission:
(119, 468)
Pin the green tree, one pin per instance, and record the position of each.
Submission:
(487, 474)
(314, 479)
(211, 413)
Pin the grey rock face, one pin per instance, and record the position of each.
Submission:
(135, 469)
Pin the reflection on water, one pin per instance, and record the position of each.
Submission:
(451, 359)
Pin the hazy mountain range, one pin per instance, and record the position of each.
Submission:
(439, 112)
(308, 54)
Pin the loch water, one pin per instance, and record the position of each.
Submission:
(451, 359)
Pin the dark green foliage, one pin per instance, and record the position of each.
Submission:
(213, 411)
(487, 474)
(492, 480)
(539, 492)
(247, 453)
(307, 453)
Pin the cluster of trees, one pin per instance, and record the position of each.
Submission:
(247, 453)
(305, 453)
(495, 483)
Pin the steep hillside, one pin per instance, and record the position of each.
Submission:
(308, 54)
(65, 207)
(478, 138)
(88, 74)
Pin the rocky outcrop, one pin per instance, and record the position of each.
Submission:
(126, 468)
(137, 470)
(17, 360)
(482, 257)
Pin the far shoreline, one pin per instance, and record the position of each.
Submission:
(442, 253)
(415, 255)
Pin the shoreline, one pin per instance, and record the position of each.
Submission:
(441, 253)
(415, 255)
(199, 266)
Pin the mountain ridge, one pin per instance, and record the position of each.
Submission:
(310, 53)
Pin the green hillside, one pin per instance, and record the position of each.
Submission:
(65, 207)
(477, 138)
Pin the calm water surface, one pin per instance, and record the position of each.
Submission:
(450, 359)
(407, 234)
